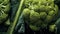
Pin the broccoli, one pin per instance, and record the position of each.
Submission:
(1, 1)
(33, 7)
(41, 12)
(48, 18)
(4, 10)
(7, 23)
(51, 13)
(26, 13)
(3, 17)
(6, 2)
(34, 16)
(52, 27)
(28, 3)
(43, 15)
(34, 28)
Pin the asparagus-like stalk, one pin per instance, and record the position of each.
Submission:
(11, 29)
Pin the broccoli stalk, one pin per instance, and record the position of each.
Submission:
(12, 26)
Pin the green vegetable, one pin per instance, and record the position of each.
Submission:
(6, 2)
(26, 13)
(34, 27)
(34, 16)
(7, 8)
(43, 15)
(1, 1)
(3, 17)
(41, 12)
(12, 26)
(34, 7)
(51, 13)
(4, 10)
(7, 22)
(52, 28)
(27, 3)
(48, 18)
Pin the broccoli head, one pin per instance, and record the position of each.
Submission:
(41, 12)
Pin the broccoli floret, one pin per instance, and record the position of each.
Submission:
(48, 19)
(33, 7)
(52, 27)
(27, 3)
(51, 13)
(38, 23)
(43, 15)
(34, 28)
(34, 16)
(26, 13)
(56, 9)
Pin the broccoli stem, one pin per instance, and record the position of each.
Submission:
(11, 29)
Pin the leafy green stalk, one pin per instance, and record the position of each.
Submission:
(11, 29)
